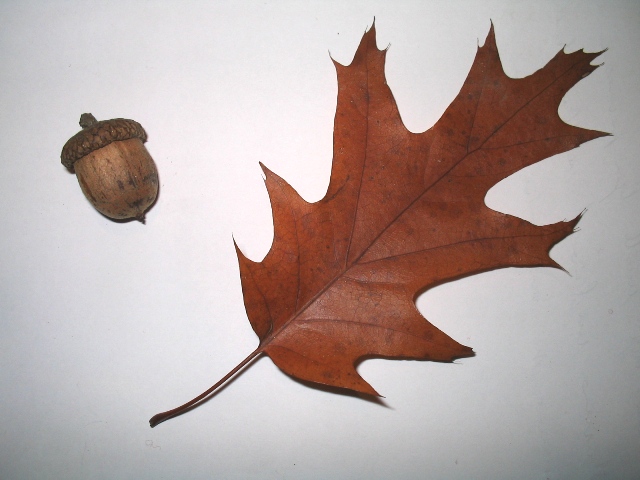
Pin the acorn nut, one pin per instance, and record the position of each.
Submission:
(114, 169)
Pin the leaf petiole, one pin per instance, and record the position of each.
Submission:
(203, 397)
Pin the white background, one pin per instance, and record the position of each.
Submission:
(104, 324)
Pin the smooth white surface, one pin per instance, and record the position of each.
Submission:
(105, 324)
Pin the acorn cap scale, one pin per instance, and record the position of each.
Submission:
(114, 169)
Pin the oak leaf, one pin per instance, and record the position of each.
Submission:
(403, 212)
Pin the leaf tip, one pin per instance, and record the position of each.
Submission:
(574, 221)
(465, 352)
(371, 32)
(560, 267)
(268, 173)
(490, 40)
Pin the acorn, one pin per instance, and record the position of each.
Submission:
(114, 169)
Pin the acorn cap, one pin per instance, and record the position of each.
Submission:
(95, 135)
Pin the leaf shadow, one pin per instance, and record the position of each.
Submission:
(342, 392)
(377, 400)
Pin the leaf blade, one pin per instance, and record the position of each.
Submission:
(405, 212)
